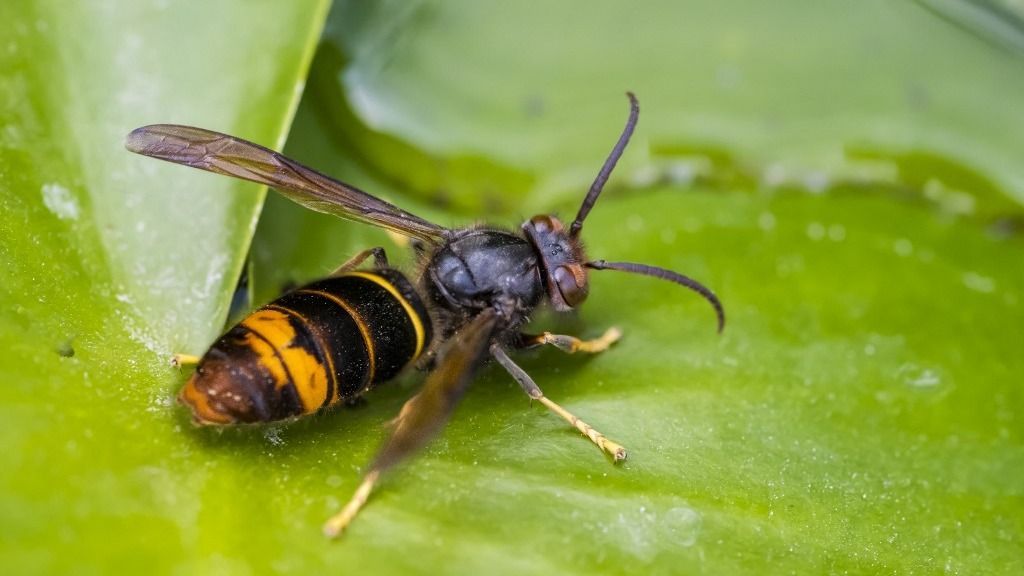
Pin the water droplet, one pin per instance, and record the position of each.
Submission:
(979, 283)
(816, 182)
(682, 524)
(926, 379)
(66, 349)
(903, 247)
(815, 231)
(681, 173)
(917, 377)
(773, 175)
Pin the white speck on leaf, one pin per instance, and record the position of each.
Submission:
(273, 436)
(60, 201)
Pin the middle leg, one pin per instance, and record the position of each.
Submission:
(572, 344)
(613, 449)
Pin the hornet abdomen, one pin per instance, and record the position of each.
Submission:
(316, 346)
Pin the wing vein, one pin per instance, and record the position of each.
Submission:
(231, 156)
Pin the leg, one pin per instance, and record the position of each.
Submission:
(613, 449)
(380, 259)
(572, 344)
(336, 524)
(425, 413)
(182, 360)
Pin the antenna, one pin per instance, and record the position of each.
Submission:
(606, 170)
(665, 275)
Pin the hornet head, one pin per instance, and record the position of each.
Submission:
(564, 263)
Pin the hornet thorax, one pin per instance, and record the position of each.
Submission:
(486, 268)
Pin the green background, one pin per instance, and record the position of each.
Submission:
(846, 176)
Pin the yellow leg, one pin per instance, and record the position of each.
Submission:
(182, 360)
(336, 524)
(423, 415)
(613, 449)
(572, 344)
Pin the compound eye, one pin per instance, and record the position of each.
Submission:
(572, 284)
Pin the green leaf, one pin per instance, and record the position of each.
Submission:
(110, 262)
(844, 176)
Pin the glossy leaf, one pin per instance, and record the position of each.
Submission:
(844, 176)
(110, 262)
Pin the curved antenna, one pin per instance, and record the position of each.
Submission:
(665, 275)
(606, 170)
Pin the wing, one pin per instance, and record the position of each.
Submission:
(223, 154)
(426, 412)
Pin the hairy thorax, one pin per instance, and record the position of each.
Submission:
(484, 268)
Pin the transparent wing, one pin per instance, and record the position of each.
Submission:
(426, 412)
(223, 154)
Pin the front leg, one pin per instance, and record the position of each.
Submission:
(572, 344)
(613, 449)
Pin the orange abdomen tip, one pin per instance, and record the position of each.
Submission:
(203, 412)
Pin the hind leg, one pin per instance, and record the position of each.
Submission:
(613, 449)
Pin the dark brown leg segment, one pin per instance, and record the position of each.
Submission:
(380, 260)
